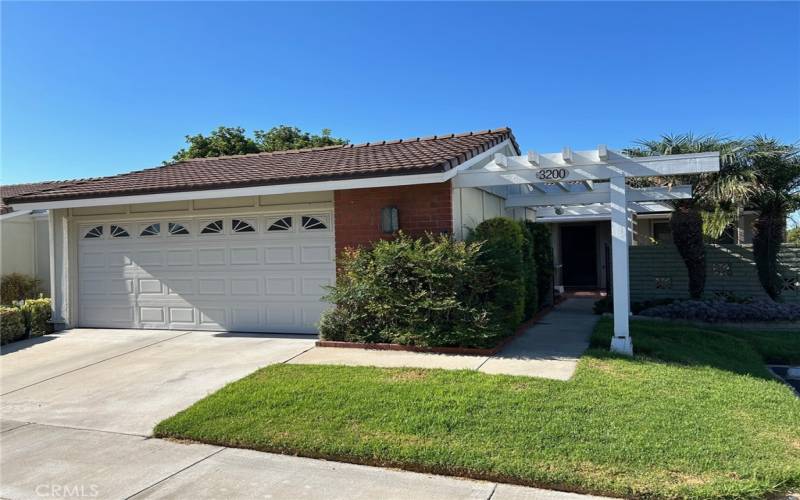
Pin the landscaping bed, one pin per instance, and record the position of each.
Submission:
(696, 414)
(468, 351)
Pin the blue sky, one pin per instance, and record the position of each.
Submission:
(93, 89)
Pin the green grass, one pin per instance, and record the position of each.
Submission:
(780, 348)
(694, 415)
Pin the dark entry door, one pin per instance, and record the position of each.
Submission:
(579, 256)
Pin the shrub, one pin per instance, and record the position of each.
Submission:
(37, 316)
(17, 286)
(12, 324)
(543, 256)
(426, 292)
(715, 311)
(501, 252)
(529, 271)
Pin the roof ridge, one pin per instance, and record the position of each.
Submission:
(344, 146)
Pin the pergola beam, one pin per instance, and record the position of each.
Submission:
(596, 211)
(600, 194)
(584, 167)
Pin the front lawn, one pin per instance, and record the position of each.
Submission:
(696, 416)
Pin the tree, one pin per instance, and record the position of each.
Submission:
(793, 236)
(716, 196)
(777, 193)
(283, 137)
(225, 141)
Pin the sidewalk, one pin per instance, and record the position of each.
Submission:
(548, 349)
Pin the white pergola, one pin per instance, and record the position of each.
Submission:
(593, 182)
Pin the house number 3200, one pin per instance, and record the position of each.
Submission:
(547, 174)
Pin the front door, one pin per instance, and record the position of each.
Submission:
(579, 256)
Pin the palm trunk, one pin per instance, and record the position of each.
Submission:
(687, 234)
(767, 239)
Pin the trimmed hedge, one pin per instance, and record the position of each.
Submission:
(12, 324)
(30, 318)
(37, 314)
(543, 256)
(16, 286)
(426, 292)
(529, 271)
(437, 292)
(501, 241)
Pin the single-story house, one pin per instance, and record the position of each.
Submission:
(248, 242)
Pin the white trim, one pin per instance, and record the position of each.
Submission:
(600, 194)
(15, 213)
(305, 187)
(520, 171)
(620, 228)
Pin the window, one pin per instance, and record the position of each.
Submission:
(214, 227)
(242, 226)
(282, 224)
(176, 228)
(95, 232)
(151, 230)
(313, 223)
(119, 232)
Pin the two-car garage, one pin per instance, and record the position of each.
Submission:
(250, 272)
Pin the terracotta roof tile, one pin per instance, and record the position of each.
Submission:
(13, 190)
(376, 159)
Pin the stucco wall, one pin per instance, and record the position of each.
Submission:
(658, 271)
(18, 244)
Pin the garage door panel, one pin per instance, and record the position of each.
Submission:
(211, 256)
(180, 257)
(284, 254)
(92, 260)
(315, 253)
(245, 256)
(211, 286)
(256, 281)
(150, 286)
(120, 286)
(245, 286)
(106, 314)
(280, 285)
(151, 315)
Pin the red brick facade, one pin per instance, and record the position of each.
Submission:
(421, 208)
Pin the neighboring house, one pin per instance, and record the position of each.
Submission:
(24, 235)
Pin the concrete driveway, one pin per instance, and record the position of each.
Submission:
(78, 408)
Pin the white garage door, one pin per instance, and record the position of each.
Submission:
(239, 273)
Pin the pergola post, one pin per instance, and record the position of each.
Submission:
(621, 341)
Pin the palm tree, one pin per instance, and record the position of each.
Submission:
(716, 196)
(777, 170)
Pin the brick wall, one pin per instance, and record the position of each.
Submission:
(421, 208)
(659, 272)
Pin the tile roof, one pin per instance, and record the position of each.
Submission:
(14, 190)
(374, 159)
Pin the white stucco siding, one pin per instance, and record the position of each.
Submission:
(18, 244)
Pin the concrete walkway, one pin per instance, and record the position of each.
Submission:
(548, 349)
(78, 408)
